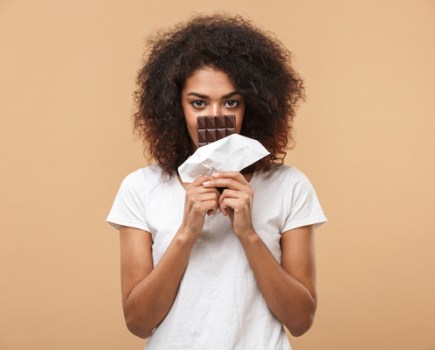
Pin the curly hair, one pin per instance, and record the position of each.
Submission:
(257, 64)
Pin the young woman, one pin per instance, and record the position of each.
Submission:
(203, 269)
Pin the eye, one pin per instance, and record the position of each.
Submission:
(198, 103)
(232, 103)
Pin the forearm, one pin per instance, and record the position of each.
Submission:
(151, 299)
(288, 299)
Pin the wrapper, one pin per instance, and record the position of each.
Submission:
(231, 153)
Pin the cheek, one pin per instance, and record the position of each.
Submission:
(239, 120)
(189, 117)
(191, 123)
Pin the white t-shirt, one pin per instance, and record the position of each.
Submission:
(219, 304)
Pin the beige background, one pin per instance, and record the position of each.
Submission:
(365, 138)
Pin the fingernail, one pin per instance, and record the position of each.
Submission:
(207, 183)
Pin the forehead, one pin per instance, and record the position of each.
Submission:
(208, 79)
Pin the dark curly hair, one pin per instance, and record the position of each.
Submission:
(257, 64)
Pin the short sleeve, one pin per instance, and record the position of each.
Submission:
(304, 207)
(128, 209)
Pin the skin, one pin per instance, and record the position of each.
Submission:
(288, 287)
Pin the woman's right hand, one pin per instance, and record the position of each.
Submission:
(199, 201)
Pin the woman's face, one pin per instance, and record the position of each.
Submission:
(209, 91)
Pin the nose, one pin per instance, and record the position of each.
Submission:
(216, 109)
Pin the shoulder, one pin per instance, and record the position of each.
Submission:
(283, 174)
(143, 176)
(144, 181)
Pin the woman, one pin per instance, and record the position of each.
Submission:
(203, 269)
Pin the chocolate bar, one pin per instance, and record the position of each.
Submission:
(213, 128)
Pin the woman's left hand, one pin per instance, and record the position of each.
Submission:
(235, 200)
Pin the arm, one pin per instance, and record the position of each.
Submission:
(289, 287)
(148, 292)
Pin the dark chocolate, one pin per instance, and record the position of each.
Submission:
(213, 128)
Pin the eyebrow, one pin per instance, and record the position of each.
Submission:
(233, 93)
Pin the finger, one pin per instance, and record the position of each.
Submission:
(201, 190)
(209, 196)
(225, 207)
(235, 175)
(196, 196)
(225, 182)
(203, 207)
(240, 195)
(211, 207)
(231, 204)
(199, 180)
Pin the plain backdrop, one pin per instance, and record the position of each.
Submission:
(365, 138)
